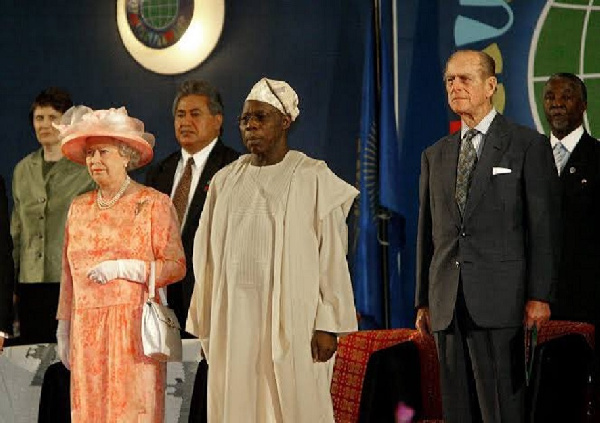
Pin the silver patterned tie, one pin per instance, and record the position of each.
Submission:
(561, 155)
(467, 160)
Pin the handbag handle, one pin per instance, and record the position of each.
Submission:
(152, 286)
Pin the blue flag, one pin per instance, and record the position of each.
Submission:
(367, 251)
(389, 158)
(400, 310)
(378, 234)
(423, 120)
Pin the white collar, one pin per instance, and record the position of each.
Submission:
(483, 126)
(199, 156)
(570, 141)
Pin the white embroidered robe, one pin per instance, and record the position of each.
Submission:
(270, 267)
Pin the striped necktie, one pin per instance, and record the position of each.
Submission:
(182, 192)
(561, 155)
(467, 160)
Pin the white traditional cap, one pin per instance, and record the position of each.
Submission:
(278, 94)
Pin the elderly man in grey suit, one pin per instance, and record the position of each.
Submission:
(486, 247)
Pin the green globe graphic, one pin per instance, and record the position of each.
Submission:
(159, 14)
(566, 39)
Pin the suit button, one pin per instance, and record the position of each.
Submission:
(463, 234)
(457, 264)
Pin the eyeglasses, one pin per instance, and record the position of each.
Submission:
(259, 117)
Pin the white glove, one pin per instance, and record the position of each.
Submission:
(62, 337)
(130, 269)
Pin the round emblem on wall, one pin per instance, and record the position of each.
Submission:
(170, 36)
(159, 23)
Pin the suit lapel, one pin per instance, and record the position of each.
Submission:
(450, 152)
(164, 181)
(493, 148)
(578, 158)
(212, 166)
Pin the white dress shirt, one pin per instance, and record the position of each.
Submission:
(570, 141)
(482, 129)
(200, 159)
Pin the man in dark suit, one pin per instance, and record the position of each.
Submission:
(577, 158)
(198, 113)
(185, 176)
(486, 259)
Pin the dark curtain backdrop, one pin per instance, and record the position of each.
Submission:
(315, 45)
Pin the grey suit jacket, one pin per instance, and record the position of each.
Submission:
(504, 249)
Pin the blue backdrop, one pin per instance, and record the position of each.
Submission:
(316, 46)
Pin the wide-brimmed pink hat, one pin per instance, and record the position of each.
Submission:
(80, 123)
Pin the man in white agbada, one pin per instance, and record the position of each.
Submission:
(272, 288)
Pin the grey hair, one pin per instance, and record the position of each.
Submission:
(198, 87)
(487, 62)
(132, 154)
(574, 79)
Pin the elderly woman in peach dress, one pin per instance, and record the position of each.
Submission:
(111, 237)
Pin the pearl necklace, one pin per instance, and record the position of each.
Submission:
(106, 204)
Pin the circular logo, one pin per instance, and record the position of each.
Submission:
(170, 36)
(159, 23)
(565, 40)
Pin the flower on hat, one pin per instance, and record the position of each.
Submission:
(81, 122)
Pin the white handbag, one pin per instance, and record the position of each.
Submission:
(161, 336)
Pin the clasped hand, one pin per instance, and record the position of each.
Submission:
(536, 313)
(130, 269)
(323, 345)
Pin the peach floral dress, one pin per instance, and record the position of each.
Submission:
(111, 379)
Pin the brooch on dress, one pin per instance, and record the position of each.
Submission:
(140, 205)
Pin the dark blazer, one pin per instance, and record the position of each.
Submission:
(7, 269)
(161, 177)
(578, 290)
(393, 375)
(504, 249)
(560, 390)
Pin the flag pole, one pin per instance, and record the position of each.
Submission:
(383, 214)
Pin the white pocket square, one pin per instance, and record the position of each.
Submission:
(500, 170)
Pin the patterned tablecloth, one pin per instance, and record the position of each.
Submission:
(22, 371)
